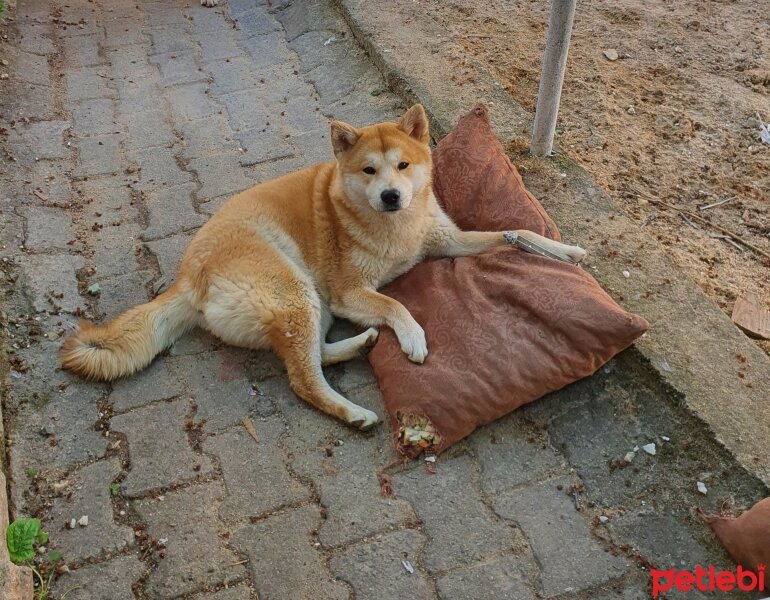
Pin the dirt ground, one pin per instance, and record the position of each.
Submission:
(674, 117)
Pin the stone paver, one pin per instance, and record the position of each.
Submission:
(347, 483)
(134, 121)
(91, 497)
(548, 518)
(283, 561)
(375, 571)
(109, 580)
(247, 465)
(501, 579)
(460, 528)
(195, 555)
(159, 449)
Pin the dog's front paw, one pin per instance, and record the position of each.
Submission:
(413, 343)
(575, 254)
(360, 417)
(209, 3)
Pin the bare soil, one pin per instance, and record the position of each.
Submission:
(674, 118)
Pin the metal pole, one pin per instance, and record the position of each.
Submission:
(552, 75)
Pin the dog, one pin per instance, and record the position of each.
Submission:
(277, 262)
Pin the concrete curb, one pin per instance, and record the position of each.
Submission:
(722, 377)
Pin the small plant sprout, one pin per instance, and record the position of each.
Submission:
(21, 537)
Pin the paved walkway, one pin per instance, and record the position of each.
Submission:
(125, 124)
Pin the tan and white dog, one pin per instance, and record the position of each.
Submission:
(276, 262)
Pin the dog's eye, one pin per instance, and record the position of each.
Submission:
(402, 165)
(369, 171)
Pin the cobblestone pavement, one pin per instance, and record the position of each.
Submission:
(124, 125)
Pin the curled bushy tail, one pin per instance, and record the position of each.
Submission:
(128, 343)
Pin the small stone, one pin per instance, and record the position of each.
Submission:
(702, 488)
(83, 521)
(631, 110)
(73, 524)
(629, 457)
(678, 49)
(650, 449)
(611, 54)
(626, 274)
(603, 519)
(665, 438)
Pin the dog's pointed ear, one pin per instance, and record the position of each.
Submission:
(344, 137)
(414, 123)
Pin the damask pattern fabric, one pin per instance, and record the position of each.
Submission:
(504, 327)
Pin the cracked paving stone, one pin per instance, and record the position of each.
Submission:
(88, 83)
(83, 51)
(208, 136)
(99, 155)
(123, 292)
(242, 592)
(44, 274)
(191, 102)
(71, 415)
(109, 198)
(196, 341)
(375, 570)
(159, 381)
(41, 140)
(146, 128)
(91, 496)
(219, 175)
(169, 252)
(158, 168)
(94, 117)
(160, 453)
(115, 250)
(170, 210)
(350, 490)
(178, 67)
(501, 579)
(256, 477)
(111, 580)
(569, 557)
(460, 528)
(283, 561)
(47, 228)
(196, 555)
(506, 456)
(220, 388)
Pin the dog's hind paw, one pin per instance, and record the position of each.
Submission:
(209, 3)
(362, 418)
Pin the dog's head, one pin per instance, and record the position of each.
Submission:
(384, 166)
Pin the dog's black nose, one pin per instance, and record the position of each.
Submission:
(390, 197)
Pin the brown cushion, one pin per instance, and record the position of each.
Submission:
(746, 538)
(503, 327)
(477, 184)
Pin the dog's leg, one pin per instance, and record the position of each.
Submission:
(209, 3)
(347, 349)
(368, 307)
(446, 239)
(296, 337)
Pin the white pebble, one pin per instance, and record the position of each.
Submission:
(73, 524)
(83, 521)
(626, 274)
(702, 488)
(665, 438)
(650, 449)
(603, 519)
(629, 457)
